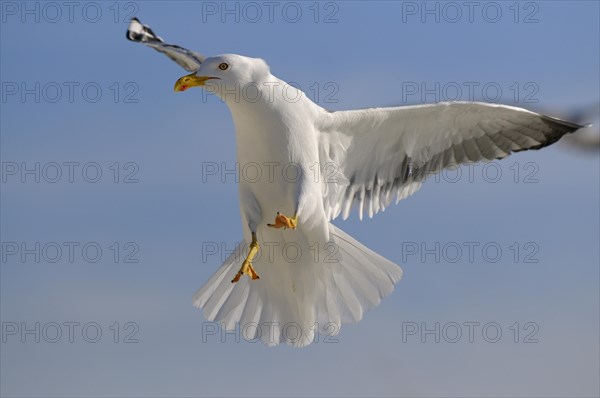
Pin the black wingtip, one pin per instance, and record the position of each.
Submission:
(570, 125)
(140, 33)
(129, 34)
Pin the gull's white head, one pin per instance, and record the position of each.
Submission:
(225, 74)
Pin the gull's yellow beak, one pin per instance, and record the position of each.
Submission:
(190, 81)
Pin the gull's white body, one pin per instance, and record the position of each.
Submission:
(316, 277)
(312, 278)
(282, 144)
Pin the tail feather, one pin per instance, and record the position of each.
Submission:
(294, 299)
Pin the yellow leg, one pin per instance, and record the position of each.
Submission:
(284, 222)
(247, 267)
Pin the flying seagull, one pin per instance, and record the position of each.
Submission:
(295, 274)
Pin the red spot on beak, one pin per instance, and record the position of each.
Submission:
(184, 87)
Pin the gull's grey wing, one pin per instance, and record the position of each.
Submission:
(382, 153)
(187, 59)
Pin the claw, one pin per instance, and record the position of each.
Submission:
(284, 222)
(247, 267)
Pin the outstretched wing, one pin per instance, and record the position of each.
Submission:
(187, 59)
(381, 153)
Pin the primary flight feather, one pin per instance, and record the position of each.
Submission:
(303, 274)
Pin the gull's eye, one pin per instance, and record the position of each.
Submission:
(223, 66)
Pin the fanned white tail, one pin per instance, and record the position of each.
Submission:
(303, 288)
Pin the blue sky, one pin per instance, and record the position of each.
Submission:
(151, 204)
